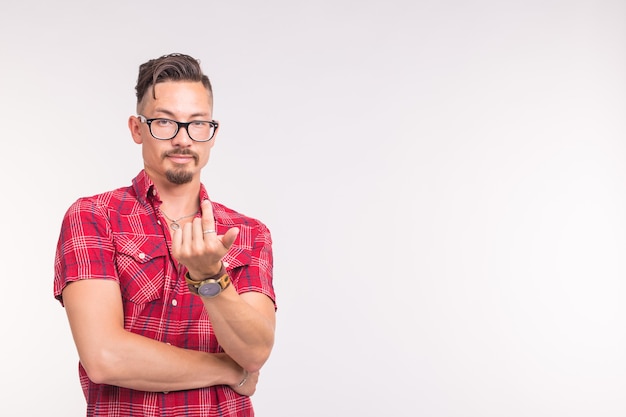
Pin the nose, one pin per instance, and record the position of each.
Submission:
(182, 138)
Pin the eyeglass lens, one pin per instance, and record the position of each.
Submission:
(166, 129)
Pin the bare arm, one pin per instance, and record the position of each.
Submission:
(244, 324)
(111, 355)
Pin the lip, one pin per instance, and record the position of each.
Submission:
(180, 159)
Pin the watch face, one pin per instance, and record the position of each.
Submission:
(209, 289)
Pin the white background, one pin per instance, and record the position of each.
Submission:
(445, 182)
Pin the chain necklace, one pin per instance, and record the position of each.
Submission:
(175, 225)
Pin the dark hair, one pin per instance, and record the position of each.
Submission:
(171, 67)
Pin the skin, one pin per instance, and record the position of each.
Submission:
(244, 324)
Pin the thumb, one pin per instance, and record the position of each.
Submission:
(229, 237)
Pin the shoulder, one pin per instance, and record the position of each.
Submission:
(118, 200)
(229, 217)
(122, 200)
(253, 234)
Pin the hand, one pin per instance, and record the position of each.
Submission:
(201, 252)
(249, 387)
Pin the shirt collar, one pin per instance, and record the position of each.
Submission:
(146, 190)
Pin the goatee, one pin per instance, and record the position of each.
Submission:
(178, 176)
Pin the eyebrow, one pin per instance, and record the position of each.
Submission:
(170, 114)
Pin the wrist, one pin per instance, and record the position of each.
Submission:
(244, 379)
(232, 373)
(213, 273)
(211, 286)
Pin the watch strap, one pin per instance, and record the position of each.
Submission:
(222, 279)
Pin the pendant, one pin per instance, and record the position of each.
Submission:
(175, 226)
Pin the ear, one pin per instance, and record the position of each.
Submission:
(134, 124)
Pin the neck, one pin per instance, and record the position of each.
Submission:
(179, 210)
(178, 199)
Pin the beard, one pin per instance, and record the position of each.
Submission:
(178, 176)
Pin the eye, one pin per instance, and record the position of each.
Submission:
(164, 122)
(199, 124)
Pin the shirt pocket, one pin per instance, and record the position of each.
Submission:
(141, 262)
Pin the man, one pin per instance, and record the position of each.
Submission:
(169, 296)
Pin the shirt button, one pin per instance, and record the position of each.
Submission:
(174, 302)
(159, 222)
(142, 255)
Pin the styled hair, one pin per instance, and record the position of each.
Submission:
(171, 67)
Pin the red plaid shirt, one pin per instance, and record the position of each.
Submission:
(121, 235)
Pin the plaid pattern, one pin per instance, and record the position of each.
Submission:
(121, 235)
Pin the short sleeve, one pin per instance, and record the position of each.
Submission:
(250, 261)
(85, 248)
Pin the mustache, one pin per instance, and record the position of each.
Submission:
(181, 152)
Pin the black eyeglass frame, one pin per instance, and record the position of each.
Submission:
(147, 121)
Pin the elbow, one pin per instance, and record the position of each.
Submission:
(101, 367)
(253, 367)
(95, 374)
(254, 362)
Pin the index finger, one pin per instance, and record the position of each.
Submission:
(208, 221)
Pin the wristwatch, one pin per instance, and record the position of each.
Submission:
(209, 287)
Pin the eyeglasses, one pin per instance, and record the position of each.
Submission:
(166, 129)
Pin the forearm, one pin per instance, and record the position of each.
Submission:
(244, 326)
(112, 355)
(133, 361)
